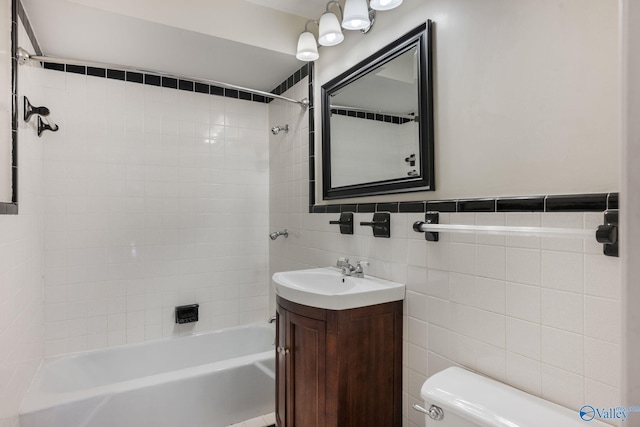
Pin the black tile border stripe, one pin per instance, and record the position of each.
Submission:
(411, 207)
(577, 203)
(477, 205)
(293, 79)
(594, 202)
(520, 204)
(167, 82)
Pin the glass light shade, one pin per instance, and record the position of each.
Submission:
(330, 33)
(307, 48)
(356, 15)
(385, 4)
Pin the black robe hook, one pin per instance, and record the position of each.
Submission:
(43, 125)
(30, 110)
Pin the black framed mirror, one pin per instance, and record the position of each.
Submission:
(377, 122)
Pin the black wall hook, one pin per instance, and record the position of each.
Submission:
(45, 125)
(30, 110)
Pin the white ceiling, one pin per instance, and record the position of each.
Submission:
(250, 43)
(310, 9)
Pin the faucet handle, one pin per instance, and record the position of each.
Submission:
(342, 262)
(359, 271)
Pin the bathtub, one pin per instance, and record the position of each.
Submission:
(207, 380)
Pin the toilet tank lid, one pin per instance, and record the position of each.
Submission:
(489, 403)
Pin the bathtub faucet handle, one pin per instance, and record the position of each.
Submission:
(272, 319)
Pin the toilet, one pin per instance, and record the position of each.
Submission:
(456, 397)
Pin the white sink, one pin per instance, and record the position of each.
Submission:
(328, 288)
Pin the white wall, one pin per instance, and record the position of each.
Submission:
(526, 90)
(542, 315)
(21, 270)
(154, 197)
(631, 201)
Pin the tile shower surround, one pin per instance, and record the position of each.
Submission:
(21, 270)
(155, 197)
(541, 314)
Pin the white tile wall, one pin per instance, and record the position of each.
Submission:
(540, 314)
(21, 268)
(154, 197)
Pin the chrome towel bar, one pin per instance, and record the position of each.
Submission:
(607, 234)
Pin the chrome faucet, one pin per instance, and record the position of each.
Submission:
(350, 270)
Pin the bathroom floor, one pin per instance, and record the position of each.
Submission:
(268, 420)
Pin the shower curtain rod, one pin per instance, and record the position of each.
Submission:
(24, 56)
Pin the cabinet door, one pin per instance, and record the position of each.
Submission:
(306, 368)
(281, 366)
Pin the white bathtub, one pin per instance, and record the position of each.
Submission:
(206, 380)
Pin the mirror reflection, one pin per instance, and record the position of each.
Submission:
(374, 121)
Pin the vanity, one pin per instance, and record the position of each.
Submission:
(338, 350)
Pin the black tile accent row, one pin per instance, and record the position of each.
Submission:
(578, 203)
(305, 71)
(595, 202)
(293, 79)
(396, 120)
(156, 80)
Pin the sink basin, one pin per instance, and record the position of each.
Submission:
(328, 288)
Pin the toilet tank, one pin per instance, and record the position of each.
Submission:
(471, 400)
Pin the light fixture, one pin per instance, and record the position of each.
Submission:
(330, 33)
(307, 47)
(356, 15)
(384, 4)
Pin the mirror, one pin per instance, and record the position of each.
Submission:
(377, 122)
(8, 119)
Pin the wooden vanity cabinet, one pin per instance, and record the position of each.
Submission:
(338, 368)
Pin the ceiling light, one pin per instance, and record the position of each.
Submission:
(330, 33)
(385, 4)
(356, 15)
(307, 47)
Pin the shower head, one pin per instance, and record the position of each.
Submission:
(276, 129)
